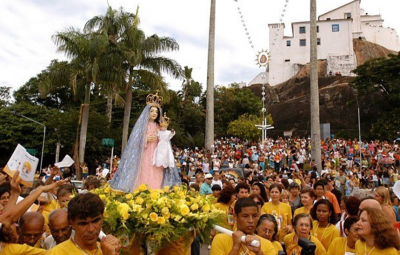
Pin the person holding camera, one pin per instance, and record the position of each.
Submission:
(302, 227)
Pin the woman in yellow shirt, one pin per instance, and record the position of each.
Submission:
(267, 228)
(324, 222)
(281, 211)
(377, 234)
(224, 203)
(343, 245)
(307, 197)
(302, 227)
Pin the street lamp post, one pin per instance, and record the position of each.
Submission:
(264, 122)
(359, 125)
(44, 136)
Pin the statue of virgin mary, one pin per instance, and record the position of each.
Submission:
(136, 166)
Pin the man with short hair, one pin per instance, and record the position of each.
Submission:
(246, 216)
(60, 228)
(31, 228)
(206, 188)
(242, 189)
(85, 214)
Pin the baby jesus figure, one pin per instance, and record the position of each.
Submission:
(163, 154)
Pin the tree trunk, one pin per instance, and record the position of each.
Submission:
(109, 107)
(314, 90)
(209, 139)
(84, 124)
(127, 116)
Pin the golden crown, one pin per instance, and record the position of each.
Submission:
(165, 121)
(154, 99)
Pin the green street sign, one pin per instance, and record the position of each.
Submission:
(107, 142)
(33, 152)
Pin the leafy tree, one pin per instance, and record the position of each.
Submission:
(245, 127)
(378, 80)
(5, 97)
(231, 102)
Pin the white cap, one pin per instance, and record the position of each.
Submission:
(208, 176)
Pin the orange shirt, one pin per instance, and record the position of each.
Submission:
(333, 200)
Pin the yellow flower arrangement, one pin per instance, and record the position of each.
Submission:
(158, 217)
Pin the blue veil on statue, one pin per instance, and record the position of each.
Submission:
(129, 168)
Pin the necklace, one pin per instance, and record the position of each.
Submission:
(323, 232)
(82, 250)
(365, 246)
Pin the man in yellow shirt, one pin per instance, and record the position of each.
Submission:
(31, 229)
(85, 214)
(246, 215)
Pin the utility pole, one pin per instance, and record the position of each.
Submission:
(314, 90)
(209, 139)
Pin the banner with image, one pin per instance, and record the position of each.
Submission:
(24, 162)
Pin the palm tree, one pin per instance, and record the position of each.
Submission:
(138, 53)
(209, 139)
(85, 51)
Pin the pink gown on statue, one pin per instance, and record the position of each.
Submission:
(150, 174)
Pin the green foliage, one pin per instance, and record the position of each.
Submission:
(231, 102)
(378, 81)
(5, 97)
(245, 127)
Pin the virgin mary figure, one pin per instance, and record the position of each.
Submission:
(136, 165)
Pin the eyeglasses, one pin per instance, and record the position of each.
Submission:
(30, 236)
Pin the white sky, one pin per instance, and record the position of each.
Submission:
(26, 28)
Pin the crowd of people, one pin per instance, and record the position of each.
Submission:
(348, 207)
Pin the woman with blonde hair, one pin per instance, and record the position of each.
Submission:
(377, 234)
(381, 194)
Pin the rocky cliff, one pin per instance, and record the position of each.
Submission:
(289, 102)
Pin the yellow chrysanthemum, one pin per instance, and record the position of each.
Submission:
(123, 209)
(194, 207)
(206, 208)
(107, 189)
(128, 196)
(153, 216)
(166, 188)
(145, 215)
(154, 196)
(139, 200)
(142, 187)
(161, 220)
(184, 210)
(178, 218)
(165, 210)
(102, 197)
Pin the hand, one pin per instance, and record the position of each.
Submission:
(237, 235)
(151, 138)
(15, 188)
(50, 187)
(288, 228)
(250, 239)
(3, 178)
(110, 245)
(54, 170)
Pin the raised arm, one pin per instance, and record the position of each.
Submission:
(12, 214)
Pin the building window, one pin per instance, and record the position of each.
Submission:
(302, 42)
(287, 60)
(317, 29)
(288, 43)
(335, 28)
(302, 30)
(347, 15)
(318, 41)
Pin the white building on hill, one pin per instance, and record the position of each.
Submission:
(335, 30)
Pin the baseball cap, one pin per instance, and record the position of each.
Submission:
(208, 176)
